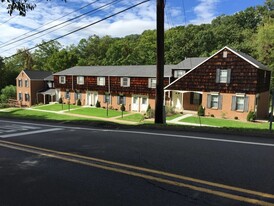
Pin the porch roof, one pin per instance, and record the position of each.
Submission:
(50, 92)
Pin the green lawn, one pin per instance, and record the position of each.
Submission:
(133, 118)
(32, 114)
(97, 112)
(226, 123)
(56, 107)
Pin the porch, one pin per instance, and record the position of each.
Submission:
(185, 101)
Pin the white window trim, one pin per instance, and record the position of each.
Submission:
(60, 80)
(80, 82)
(99, 83)
(150, 84)
(122, 81)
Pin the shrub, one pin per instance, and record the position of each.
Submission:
(150, 113)
(170, 111)
(60, 100)
(98, 104)
(212, 115)
(201, 111)
(122, 108)
(251, 116)
(236, 118)
(79, 103)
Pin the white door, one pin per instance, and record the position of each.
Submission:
(88, 99)
(94, 98)
(177, 100)
(144, 104)
(58, 95)
(135, 103)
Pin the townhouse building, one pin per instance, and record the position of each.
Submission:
(228, 84)
(28, 84)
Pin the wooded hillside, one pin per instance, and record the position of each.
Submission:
(250, 31)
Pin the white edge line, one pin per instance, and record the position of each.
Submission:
(150, 133)
(30, 132)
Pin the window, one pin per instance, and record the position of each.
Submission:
(62, 79)
(224, 54)
(26, 83)
(67, 95)
(20, 83)
(77, 95)
(195, 98)
(107, 98)
(179, 73)
(214, 101)
(125, 82)
(101, 81)
(27, 97)
(152, 82)
(223, 75)
(121, 99)
(20, 96)
(144, 100)
(80, 80)
(240, 103)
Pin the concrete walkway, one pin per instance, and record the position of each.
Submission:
(114, 119)
(110, 119)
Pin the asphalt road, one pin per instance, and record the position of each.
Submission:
(55, 164)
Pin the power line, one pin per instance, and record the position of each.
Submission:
(69, 20)
(80, 16)
(84, 27)
(50, 22)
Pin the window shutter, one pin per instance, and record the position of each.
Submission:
(246, 104)
(233, 105)
(149, 82)
(121, 81)
(228, 75)
(128, 82)
(220, 102)
(200, 99)
(118, 100)
(124, 100)
(218, 76)
(209, 101)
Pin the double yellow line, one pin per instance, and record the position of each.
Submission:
(153, 175)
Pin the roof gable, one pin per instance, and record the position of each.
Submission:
(242, 55)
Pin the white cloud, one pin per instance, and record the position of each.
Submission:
(205, 11)
(134, 21)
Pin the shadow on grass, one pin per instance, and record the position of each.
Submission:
(34, 116)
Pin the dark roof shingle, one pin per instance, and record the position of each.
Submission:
(37, 75)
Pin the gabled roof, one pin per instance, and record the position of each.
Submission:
(37, 75)
(190, 63)
(242, 55)
(250, 59)
(121, 71)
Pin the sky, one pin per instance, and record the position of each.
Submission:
(19, 32)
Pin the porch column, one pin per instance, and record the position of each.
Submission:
(44, 98)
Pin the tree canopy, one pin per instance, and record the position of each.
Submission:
(250, 31)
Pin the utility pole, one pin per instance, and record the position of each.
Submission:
(159, 103)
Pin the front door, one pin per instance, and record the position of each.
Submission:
(88, 99)
(177, 100)
(94, 98)
(135, 104)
